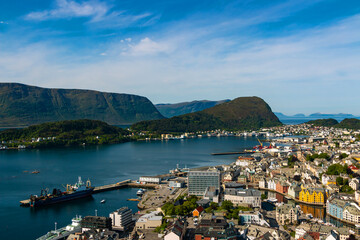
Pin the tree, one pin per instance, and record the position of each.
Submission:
(339, 181)
(263, 196)
(227, 205)
(336, 169)
(343, 155)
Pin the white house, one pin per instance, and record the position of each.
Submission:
(355, 184)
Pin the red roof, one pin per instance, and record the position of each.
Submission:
(199, 209)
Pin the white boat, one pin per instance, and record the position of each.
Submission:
(62, 233)
(140, 192)
(272, 200)
(103, 201)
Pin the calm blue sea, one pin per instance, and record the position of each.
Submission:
(102, 165)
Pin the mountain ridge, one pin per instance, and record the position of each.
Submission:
(239, 114)
(175, 109)
(24, 105)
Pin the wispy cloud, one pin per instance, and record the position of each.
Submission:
(99, 13)
(72, 9)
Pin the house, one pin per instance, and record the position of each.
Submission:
(198, 211)
(294, 191)
(355, 184)
(176, 231)
(287, 213)
(271, 184)
(282, 187)
(262, 183)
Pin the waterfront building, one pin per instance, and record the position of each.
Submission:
(121, 219)
(282, 187)
(294, 191)
(95, 223)
(252, 218)
(287, 213)
(149, 220)
(335, 206)
(199, 181)
(244, 197)
(146, 179)
(352, 213)
(262, 183)
(313, 195)
(271, 184)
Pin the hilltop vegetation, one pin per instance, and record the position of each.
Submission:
(350, 123)
(64, 133)
(22, 105)
(176, 109)
(239, 114)
(324, 122)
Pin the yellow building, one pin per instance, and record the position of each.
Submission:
(313, 195)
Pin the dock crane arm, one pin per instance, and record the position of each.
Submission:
(259, 142)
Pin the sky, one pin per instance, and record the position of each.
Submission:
(300, 56)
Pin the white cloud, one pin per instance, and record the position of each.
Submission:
(306, 68)
(100, 13)
(72, 9)
(146, 46)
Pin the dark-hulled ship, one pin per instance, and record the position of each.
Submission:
(78, 190)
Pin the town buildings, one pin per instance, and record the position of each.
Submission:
(199, 181)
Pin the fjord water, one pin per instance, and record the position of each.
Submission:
(102, 165)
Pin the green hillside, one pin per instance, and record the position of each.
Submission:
(23, 105)
(330, 122)
(64, 133)
(238, 114)
(350, 123)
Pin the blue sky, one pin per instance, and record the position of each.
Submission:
(299, 56)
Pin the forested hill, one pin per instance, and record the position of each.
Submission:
(239, 114)
(23, 105)
(64, 133)
(171, 110)
(350, 123)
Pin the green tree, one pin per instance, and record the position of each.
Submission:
(227, 205)
(339, 181)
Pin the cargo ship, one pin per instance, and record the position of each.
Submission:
(78, 190)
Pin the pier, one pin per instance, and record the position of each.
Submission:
(109, 187)
(230, 153)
